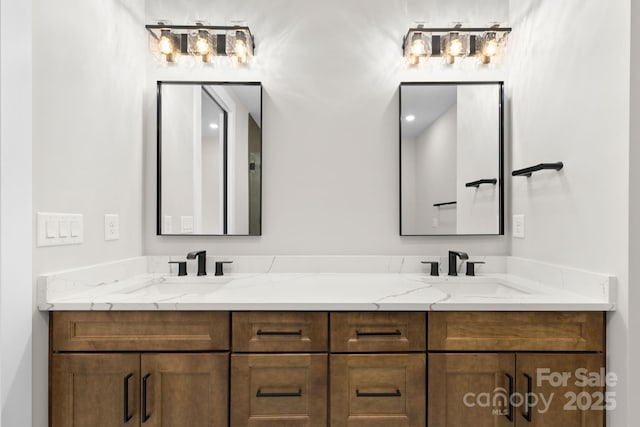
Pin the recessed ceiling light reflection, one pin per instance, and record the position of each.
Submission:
(410, 118)
(213, 126)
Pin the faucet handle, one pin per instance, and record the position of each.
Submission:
(471, 267)
(219, 270)
(182, 267)
(435, 267)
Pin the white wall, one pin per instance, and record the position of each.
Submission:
(88, 77)
(331, 71)
(15, 213)
(633, 295)
(569, 96)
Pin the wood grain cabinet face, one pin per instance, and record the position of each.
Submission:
(473, 389)
(378, 332)
(283, 390)
(259, 332)
(188, 390)
(572, 404)
(98, 390)
(139, 331)
(516, 331)
(378, 390)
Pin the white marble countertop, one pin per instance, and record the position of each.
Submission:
(321, 292)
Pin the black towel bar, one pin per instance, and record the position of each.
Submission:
(542, 166)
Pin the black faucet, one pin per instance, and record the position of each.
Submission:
(453, 261)
(219, 264)
(202, 261)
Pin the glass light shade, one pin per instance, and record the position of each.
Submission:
(417, 48)
(455, 45)
(167, 46)
(202, 44)
(490, 45)
(239, 46)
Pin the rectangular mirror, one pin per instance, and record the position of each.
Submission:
(209, 158)
(451, 159)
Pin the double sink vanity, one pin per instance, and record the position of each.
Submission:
(132, 343)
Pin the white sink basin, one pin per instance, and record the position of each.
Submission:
(182, 285)
(484, 288)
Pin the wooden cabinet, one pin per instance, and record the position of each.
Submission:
(310, 369)
(519, 388)
(378, 332)
(100, 390)
(185, 390)
(378, 390)
(279, 332)
(275, 390)
(109, 388)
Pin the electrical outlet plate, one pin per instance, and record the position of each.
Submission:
(59, 229)
(111, 227)
(519, 226)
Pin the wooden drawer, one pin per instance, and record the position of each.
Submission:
(378, 332)
(139, 331)
(279, 332)
(516, 331)
(378, 390)
(279, 390)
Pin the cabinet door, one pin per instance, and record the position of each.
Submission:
(553, 393)
(279, 390)
(471, 390)
(185, 390)
(378, 390)
(98, 390)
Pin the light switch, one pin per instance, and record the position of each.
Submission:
(519, 226)
(57, 229)
(111, 227)
(52, 228)
(64, 228)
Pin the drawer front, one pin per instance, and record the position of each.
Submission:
(279, 390)
(378, 390)
(279, 332)
(378, 332)
(519, 331)
(139, 331)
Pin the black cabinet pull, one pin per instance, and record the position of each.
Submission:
(145, 414)
(294, 394)
(394, 394)
(395, 333)
(283, 333)
(127, 417)
(527, 414)
(509, 413)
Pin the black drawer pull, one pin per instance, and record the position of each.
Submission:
(294, 394)
(145, 414)
(395, 333)
(276, 333)
(528, 405)
(509, 414)
(127, 417)
(395, 394)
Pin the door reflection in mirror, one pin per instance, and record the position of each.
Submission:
(209, 158)
(451, 158)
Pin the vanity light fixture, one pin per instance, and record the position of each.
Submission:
(454, 43)
(201, 41)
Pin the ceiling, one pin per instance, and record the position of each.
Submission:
(426, 103)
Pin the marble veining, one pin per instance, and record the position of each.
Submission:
(325, 284)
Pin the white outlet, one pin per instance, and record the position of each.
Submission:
(519, 226)
(59, 229)
(111, 227)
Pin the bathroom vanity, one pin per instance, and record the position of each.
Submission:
(395, 349)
